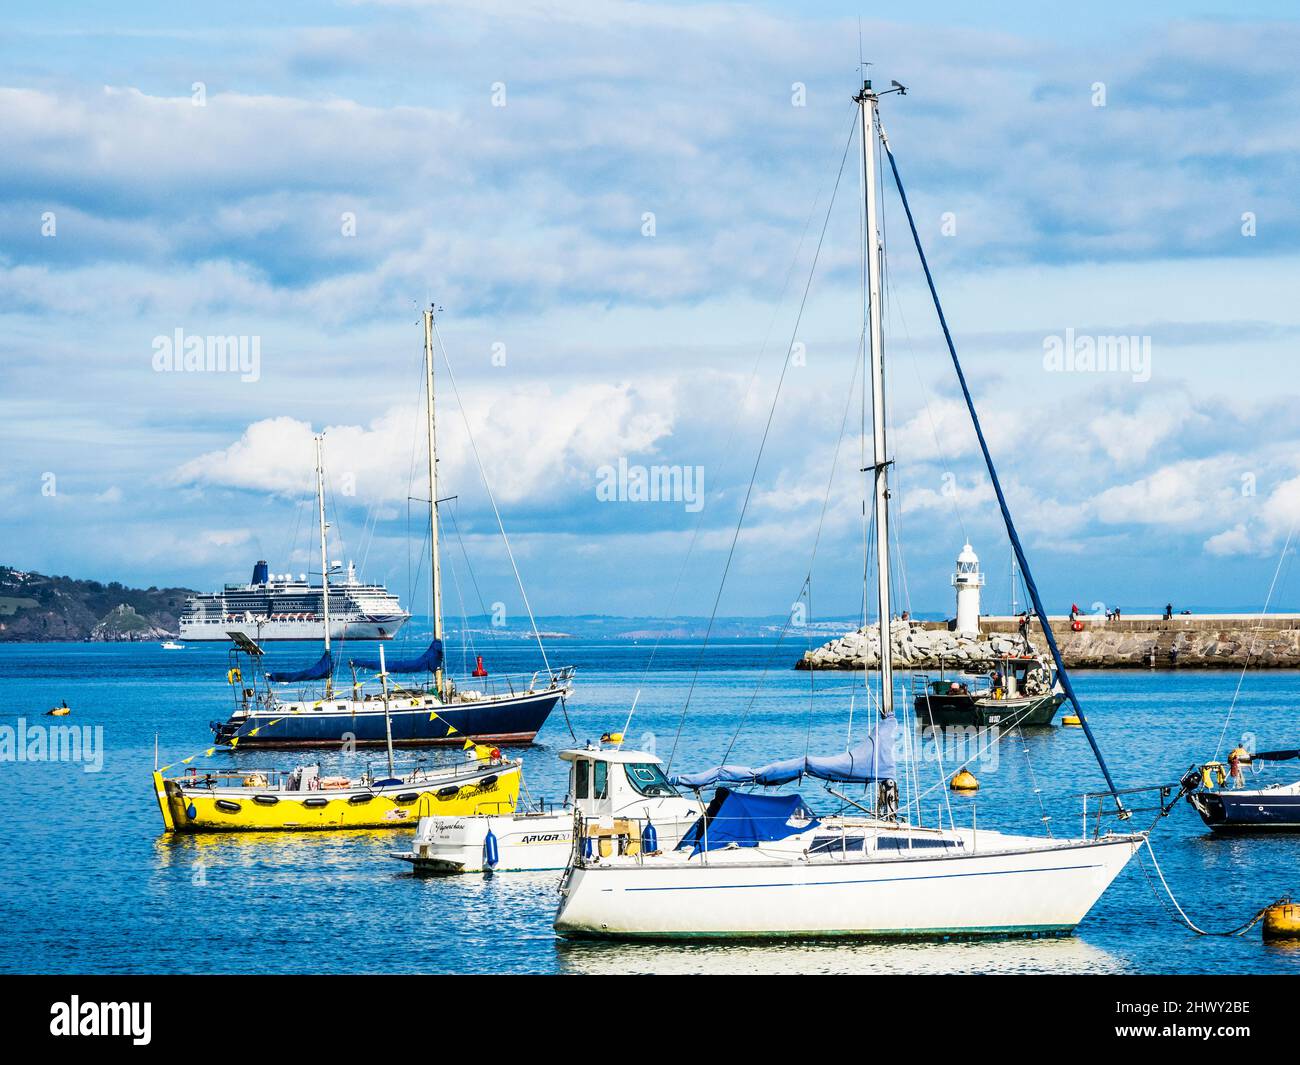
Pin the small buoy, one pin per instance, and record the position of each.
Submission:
(1071, 721)
(479, 671)
(491, 855)
(1282, 920)
(964, 780)
(649, 838)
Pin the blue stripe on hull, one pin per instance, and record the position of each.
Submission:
(514, 719)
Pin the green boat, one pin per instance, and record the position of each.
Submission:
(1020, 693)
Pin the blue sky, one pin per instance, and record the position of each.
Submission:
(221, 211)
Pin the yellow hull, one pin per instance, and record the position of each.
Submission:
(493, 790)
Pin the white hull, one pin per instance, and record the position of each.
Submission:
(531, 841)
(1002, 885)
(383, 628)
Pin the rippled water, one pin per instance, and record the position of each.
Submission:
(91, 883)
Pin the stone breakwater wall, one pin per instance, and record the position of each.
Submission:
(1199, 642)
(915, 645)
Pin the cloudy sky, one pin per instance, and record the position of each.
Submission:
(617, 207)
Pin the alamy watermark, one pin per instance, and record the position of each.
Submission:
(53, 743)
(1086, 353)
(627, 483)
(191, 353)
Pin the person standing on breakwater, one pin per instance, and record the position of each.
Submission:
(1169, 611)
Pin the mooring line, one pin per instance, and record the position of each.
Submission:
(1240, 930)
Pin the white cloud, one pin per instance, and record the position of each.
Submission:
(533, 444)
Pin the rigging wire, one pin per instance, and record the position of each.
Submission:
(451, 376)
(726, 451)
(1268, 599)
(1182, 918)
(1062, 676)
(767, 428)
(455, 525)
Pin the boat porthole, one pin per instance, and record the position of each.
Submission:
(448, 793)
(408, 796)
(488, 782)
(228, 806)
(357, 800)
(265, 800)
(316, 803)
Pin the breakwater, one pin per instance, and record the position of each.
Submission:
(1196, 641)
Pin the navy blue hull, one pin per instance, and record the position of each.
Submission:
(514, 720)
(1226, 812)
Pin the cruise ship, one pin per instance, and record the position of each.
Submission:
(280, 607)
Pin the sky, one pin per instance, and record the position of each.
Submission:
(619, 210)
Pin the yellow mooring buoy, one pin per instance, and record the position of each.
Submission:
(1071, 721)
(1282, 920)
(964, 780)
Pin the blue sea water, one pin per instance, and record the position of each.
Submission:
(92, 884)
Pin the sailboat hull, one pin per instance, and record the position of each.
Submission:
(1038, 890)
(507, 720)
(191, 805)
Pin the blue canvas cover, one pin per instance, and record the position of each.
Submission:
(323, 668)
(747, 821)
(427, 662)
(872, 759)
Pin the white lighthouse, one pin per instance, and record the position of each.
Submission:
(968, 580)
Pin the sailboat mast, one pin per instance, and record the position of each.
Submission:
(867, 102)
(324, 555)
(436, 566)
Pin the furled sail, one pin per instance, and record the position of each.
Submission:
(872, 759)
(427, 662)
(323, 668)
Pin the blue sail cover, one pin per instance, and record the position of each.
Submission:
(323, 668)
(872, 759)
(429, 661)
(747, 821)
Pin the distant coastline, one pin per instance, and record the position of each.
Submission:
(37, 608)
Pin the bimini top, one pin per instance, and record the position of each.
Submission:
(872, 759)
(747, 821)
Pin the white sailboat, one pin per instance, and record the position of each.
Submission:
(766, 865)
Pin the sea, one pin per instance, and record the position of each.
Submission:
(92, 884)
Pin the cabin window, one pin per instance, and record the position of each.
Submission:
(579, 780)
(600, 785)
(648, 779)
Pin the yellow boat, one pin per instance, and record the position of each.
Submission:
(300, 800)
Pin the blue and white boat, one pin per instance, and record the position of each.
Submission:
(310, 708)
(1273, 808)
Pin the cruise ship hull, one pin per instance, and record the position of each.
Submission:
(383, 628)
(509, 720)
